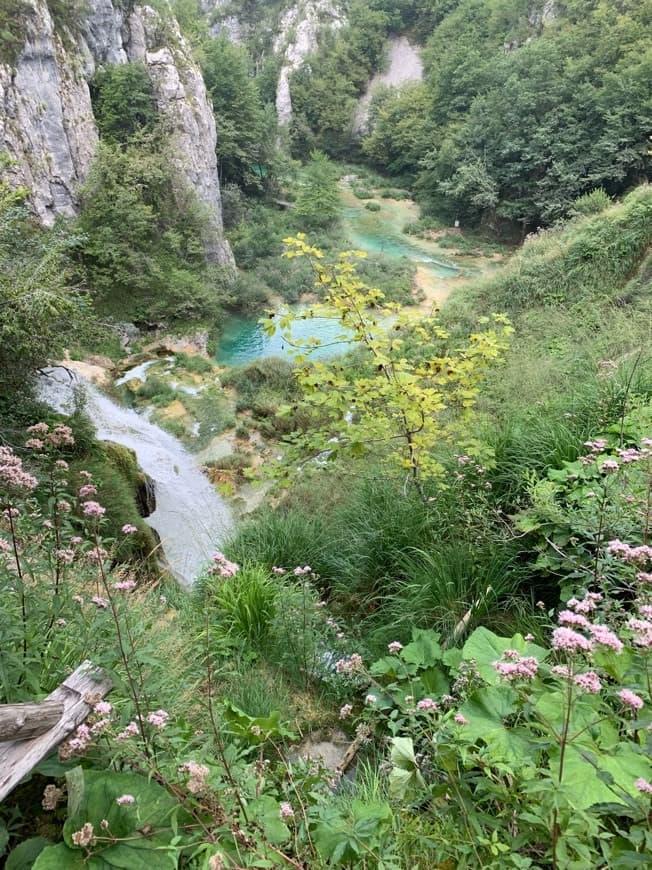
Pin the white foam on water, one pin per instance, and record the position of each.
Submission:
(191, 519)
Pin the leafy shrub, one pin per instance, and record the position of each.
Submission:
(591, 203)
(372, 206)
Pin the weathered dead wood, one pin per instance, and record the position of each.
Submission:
(77, 694)
(24, 721)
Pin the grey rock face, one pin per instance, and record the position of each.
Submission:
(298, 37)
(47, 126)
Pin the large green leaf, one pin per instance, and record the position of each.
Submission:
(485, 648)
(591, 778)
(405, 777)
(486, 711)
(266, 811)
(26, 853)
(424, 650)
(145, 826)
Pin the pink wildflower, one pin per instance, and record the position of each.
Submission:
(39, 429)
(349, 665)
(642, 629)
(124, 585)
(427, 704)
(604, 637)
(643, 785)
(630, 699)
(197, 776)
(34, 444)
(278, 570)
(131, 730)
(520, 668)
(85, 837)
(125, 799)
(589, 681)
(395, 647)
(461, 720)
(345, 711)
(102, 708)
(286, 812)
(609, 465)
(570, 641)
(158, 719)
(370, 699)
(223, 566)
(12, 475)
(128, 529)
(99, 602)
(93, 509)
(568, 617)
(87, 490)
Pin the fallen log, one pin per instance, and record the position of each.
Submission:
(62, 711)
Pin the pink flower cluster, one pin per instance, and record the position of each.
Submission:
(131, 730)
(299, 571)
(517, 667)
(427, 704)
(93, 509)
(197, 774)
(222, 566)
(630, 699)
(395, 647)
(12, 475)
(642, 631)
(124, 585)
(589, 681)
(623, 551)
(125, 799)
(345, 711)
(158, 719)
(349, 665)
(60, 436)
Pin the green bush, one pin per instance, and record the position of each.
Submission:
(245, 605)
(372, 206)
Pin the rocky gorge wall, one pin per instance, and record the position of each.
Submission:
(47, 127)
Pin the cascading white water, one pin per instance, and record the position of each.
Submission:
(190, 517)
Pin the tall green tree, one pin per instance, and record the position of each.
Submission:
(123, 102)
(318, 203)
(241, 123)
(143, 254)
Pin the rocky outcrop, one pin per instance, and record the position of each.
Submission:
(403, 65)
(47, 126)
(298, 37)
(46, 122)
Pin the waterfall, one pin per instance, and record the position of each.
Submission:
(192, 520)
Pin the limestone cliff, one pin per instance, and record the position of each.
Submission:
(298, 36)
(47, 126)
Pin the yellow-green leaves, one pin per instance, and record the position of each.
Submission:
(406, 389)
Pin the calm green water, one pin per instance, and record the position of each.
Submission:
(243, 340)
(376, 240)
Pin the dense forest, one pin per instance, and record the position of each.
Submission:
(421, 633)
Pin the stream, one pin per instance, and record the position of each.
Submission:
(191, 519)
(243, 339)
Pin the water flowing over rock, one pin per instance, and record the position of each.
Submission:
(47, 126)
(403, 65)
(189, 516)
(298, 37)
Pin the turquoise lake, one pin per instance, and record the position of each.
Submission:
(243, 338)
